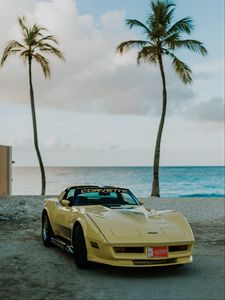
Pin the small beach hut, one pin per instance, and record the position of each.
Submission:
(5, 170)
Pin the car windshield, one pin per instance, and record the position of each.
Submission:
(105, 196)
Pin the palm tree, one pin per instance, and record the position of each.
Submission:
(162, 39)
(32, 47)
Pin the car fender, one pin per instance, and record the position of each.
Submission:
(89, 228)
(48, 209)
(78, 222)
(45, 211)
(178, 219)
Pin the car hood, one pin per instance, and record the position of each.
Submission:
(135, 224)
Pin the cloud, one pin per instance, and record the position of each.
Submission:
(210, 111)
(202, 75)
(55, 144)
(94, 77)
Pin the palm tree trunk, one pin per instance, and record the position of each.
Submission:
(35, 135)
(155, 184)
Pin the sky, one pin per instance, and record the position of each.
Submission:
(102, 109)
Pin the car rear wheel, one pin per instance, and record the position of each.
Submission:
(80, 249)
(47, 232)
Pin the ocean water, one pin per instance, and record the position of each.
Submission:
(174, 181)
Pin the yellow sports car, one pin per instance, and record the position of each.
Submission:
(109, 225)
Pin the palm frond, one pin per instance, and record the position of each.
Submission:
(162, 14)
(25, 55)
(184, 25)
(48, 48)
(169, 39)
(135, 23)
(36, 31)
(17, 45)
(169, 15)
(37, 28)
(44, 64)
(181, 69)
(23, 26)
(53, 51)
(148, 54)
(126, 46)
(49, 38)
(192, 45)
(12, 47)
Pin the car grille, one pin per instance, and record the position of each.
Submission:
(129, 249)
(142, 249)
(154, 262)
(178, 248)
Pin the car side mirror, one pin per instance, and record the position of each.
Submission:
(65, 202)
(142, 201)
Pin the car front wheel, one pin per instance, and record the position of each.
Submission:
(47, 232)
(80, 249)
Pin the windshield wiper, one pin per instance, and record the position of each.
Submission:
(112, 205)
(120, 206)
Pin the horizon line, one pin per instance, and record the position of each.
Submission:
(124, 166)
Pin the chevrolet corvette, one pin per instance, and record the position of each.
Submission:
(109, 225)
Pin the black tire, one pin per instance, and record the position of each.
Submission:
(47, 232)
(79, 248)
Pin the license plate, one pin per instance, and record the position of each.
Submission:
(157, 251)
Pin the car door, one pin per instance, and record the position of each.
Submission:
(65, 215)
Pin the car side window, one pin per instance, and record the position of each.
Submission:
(70, 195)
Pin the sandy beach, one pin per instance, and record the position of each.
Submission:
(30, 271)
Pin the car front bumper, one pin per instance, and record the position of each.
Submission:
(106, 254)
